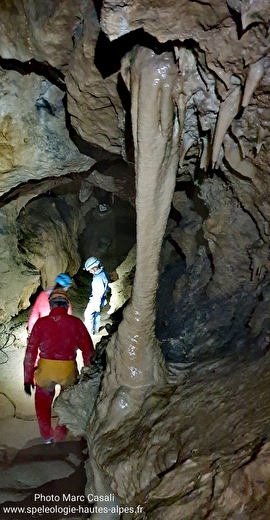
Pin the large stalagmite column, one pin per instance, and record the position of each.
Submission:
(134, 358)
(137, 359)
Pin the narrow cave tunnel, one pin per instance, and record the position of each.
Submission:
(138, 134)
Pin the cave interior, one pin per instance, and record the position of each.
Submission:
(159, 112)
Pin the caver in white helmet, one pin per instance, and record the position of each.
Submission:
(91, 262)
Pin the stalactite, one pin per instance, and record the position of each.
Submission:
(255, 74)
(234, 158)
(227, 113)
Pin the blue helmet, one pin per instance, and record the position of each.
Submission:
(64, 280)
(91, 262)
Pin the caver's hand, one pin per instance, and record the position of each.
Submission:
(27, 388)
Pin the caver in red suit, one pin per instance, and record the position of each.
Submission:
(41, 306)
(56, 337)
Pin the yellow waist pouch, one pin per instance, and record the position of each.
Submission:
(50, 372)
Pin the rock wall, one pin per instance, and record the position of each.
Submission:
(142, 468)
(40, 62)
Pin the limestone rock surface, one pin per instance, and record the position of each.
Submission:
(94, 104)
(195, 448)
(30, 30)
(34, 139)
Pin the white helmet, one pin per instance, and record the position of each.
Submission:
(91, 262)
(102, 208)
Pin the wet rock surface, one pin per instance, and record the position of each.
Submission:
(198, 447)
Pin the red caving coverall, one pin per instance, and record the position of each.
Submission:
(41, 308)
(56, 338)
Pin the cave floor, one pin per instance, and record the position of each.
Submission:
(29, 467)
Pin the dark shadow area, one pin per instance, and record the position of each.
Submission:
(109, 235)
(41, 69)
(175, 215)
(97, 153)
(98, 6)
(34, 296)
(237, 20)
(125, 97)
(194, 328)
(108, 53)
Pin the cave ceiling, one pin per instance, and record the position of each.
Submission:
(65, 104)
